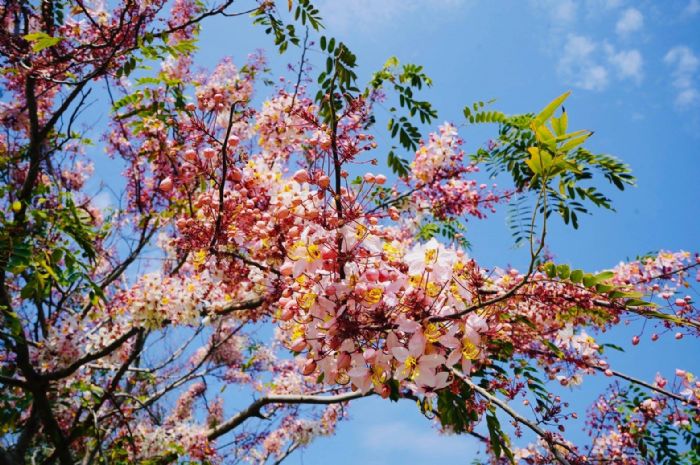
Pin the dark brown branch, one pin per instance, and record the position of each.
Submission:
(106, 350)
(13, 382)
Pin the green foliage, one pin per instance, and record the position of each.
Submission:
(337, 81)
(519, 218)
(399, 166)
(404, 81)
(500, 442)
(453, 411)
(41, 40)
(476, 114)
(450, 229)
(427, 231)
(661, 442)
(59, 254)
(308, 14)
(541, 156)
(284, 34)
(150, 50)
(598, 283)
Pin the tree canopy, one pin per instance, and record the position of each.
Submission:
(269, 263)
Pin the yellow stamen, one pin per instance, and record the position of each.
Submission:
(314, 253)
(431, 256)
(432, 332)
(433, 289)
(410, 367)
(415, 280)
(469, 350)
(373, 296)
(307, 300)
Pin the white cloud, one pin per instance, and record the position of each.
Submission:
(630, 21)
(578, 65)
(692, 8)
(595, 6)
(685, 67)
(627, 63)
(687, 97)
(346, 15)
(560, 11)
(590, 65)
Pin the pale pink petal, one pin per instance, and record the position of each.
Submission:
(426, 377)
(392, 341)
(432, 360)
(358, 372)
(408, 326)
(449, 341)
(416, 345)
(454, 357)
(441, 380)
(400, 353)
(466, 366)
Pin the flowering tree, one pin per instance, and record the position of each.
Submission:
(285, 279)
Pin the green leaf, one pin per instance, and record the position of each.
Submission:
(551, 269)
(495, 437)
(549, 110)
(576, 276)
(14, 323)
(563, 271)
(428, 231)
(20, 258)
(540, 161)
(638, 303)
(391, 62)
(41, 40)
(550, 345)
(604, 276)
(589, 280)
(575, 142)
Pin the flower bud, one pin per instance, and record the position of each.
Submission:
(309, 367)
(190, 155)
(166, 185)
(209, 153)
(286, 269)
(372, 275)
(298, 345)
(301, 176)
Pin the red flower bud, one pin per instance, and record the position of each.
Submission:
(166, 185)
(309, 367)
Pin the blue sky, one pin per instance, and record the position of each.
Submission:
(634, 68)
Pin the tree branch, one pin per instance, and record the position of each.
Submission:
(254, 410)
(547, 436)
